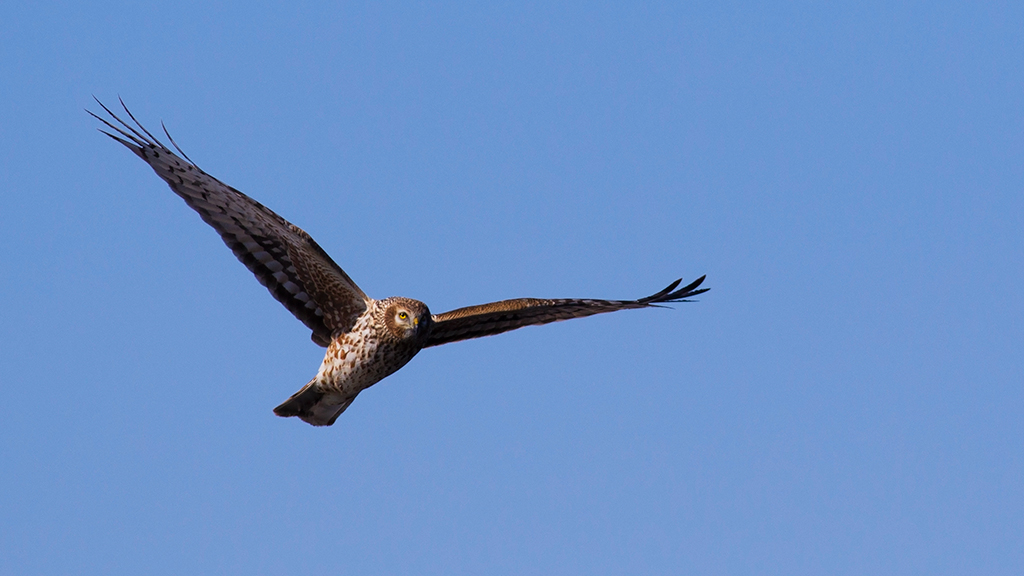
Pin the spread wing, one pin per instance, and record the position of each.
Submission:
(293, 267)
(498, 317)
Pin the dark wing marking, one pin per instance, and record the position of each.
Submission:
(293, 267)
(498, 317)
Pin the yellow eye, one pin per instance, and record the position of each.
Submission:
(403, 316)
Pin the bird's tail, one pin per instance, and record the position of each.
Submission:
(314, 406)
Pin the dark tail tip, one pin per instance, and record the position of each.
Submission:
(301, 403)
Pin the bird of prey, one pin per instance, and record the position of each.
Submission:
(366, 339)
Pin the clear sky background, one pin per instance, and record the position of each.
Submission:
(846, 400)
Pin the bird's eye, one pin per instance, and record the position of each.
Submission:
(403, 316)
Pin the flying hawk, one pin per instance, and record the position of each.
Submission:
(366, 339)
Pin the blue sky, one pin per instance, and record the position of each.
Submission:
(846, 400)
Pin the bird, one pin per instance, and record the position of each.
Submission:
(366, 339)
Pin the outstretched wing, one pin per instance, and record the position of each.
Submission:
(293, 267)
(498, 317)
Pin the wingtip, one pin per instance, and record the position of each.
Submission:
(139, 124)
(687, 291)
(175, 144)
(660, 295)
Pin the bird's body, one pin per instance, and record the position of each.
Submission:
(378, 344)
(366, 339)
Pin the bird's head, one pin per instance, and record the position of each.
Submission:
(406, 319)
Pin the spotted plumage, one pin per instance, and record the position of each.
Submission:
(366, 339)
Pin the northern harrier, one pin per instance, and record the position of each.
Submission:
(366, 339)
